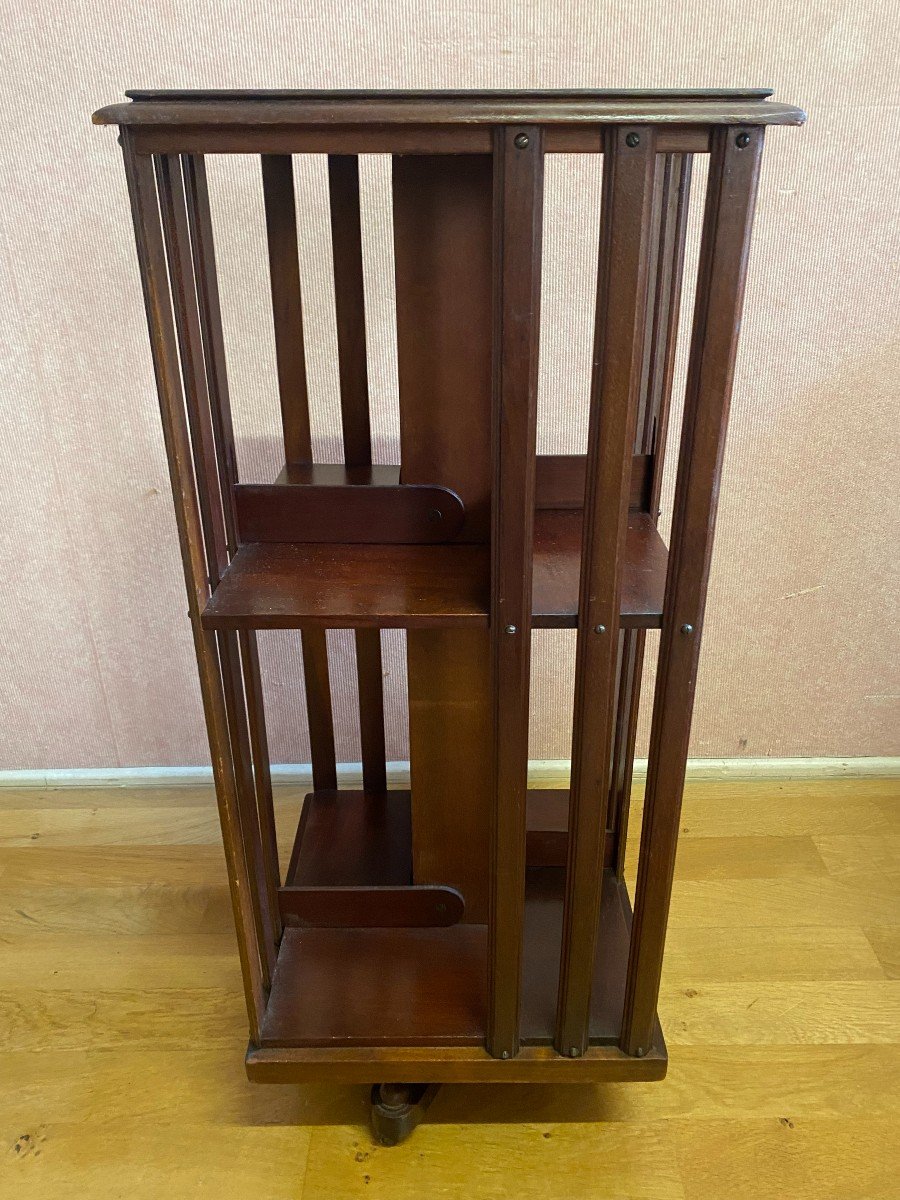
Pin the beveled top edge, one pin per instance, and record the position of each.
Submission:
(168, 95)
(336, 109)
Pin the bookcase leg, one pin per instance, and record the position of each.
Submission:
(628, 180)
(730, 196)
(397, 1108)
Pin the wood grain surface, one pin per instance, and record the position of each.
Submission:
(121, 1056)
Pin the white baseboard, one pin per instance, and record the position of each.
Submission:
(551, 772)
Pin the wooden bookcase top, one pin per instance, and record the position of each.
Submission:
(713, 106)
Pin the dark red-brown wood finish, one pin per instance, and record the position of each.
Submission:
(467, 929)
(628, 172)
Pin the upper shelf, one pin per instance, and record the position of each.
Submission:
(292, 585)
(657, 107)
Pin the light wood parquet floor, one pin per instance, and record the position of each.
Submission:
(123, 1031)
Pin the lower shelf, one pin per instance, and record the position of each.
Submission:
(419, 987)
(409, 987)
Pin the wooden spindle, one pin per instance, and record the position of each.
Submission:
(287, 314)
(173, 209)
(207, 286)
(349, 300)
(673, 174)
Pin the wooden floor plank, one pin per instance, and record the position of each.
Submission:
(40, 865)
(589, 1161)
(704, 1083)
(745, 857)
(773, 902)
(865, 1011)
(803, 1158)
(205, 1087)
(766, 953)
(885, 941)
(137, 825)
(56, 961)
(142, 909)
(92, 1018)
(849, 856)
(144, 1161)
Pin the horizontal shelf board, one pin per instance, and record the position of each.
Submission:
(557, 565)
(410, 987)
(289, 586)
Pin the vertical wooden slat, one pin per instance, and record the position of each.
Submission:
(370, 682)
(666, 312)
(318, 708)
(621, 312)
(349, 299)
(443, 221)
(518, 200)
(173, 209)
(210, 316)
(287, 311)
(287, 314)
(262, 775)
(730, 199)
(187, 326)
(673, 173)
(349, 303)
(628, 698)
(157, 299)
(242, 754)
(207, 287)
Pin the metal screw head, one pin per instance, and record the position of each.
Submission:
(687, 629)
(504, 1054)
(510, 629)
(742, 140)
(599, 629)
(435, 515)
(632, 139)
(573, 1052)
(640, 1052)
(521, 140)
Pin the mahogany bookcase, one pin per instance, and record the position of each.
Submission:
(469, 928)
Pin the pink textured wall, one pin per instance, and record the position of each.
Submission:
(800, 648)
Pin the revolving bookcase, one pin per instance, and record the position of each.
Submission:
(468, 928)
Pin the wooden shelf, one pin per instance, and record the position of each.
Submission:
(291, 585)
(557, 563)
(419, 986)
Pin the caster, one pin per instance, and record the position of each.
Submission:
(397, 1108)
